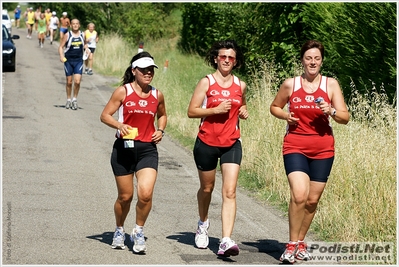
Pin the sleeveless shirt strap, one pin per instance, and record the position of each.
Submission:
(154, 92)
(236, 80)
(211, 79)
(129, 89)
(297, 83)
(323, 83)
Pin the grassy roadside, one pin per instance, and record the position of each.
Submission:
(359, 203)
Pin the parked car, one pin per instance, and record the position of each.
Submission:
(5, 19)
(9, 50)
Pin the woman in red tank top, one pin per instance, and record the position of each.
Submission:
(219, 102)
(135, 152)
(308, 147)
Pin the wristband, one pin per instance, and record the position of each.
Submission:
(163, 133)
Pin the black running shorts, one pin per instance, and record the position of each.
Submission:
(206, 157)
(318, 170)
(126, 161)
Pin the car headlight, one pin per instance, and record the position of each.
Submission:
(8, 51)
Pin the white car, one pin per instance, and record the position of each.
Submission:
(5, 19)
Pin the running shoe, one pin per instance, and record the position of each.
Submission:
(86, 70)
(302, 253)
(201, 236)
(74, 105)
(137, 237)
(90, 72)
(228, 248)
(118, 242)
(68, 104)
(289, 254)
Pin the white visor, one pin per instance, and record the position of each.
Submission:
(144, 62)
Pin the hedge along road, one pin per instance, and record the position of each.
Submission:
(59, 190)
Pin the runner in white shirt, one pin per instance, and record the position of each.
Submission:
(53, 26)
(91, 40)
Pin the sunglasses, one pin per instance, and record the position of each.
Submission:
(224, 57)
(146, 70)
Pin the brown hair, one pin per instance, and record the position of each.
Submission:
(312, 44)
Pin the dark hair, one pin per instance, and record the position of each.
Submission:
(128, 77)
(227, 44)
(312, 44)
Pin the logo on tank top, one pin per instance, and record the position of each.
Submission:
(309, 98)
(214, 92)
(130, 104)
(225, 93)
(296, 99)
(143, 103)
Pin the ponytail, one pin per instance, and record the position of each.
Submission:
(128, 77)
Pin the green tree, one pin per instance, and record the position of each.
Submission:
(360, 41)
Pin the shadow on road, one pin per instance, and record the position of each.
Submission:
(63, 106)
(187, 238)
(106, 238)
(269, 246)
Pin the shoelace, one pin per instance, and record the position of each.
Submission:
(291, 248)
(118, 235)
(203, 229)
(140, 238)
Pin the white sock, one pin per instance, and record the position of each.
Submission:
(204, 224)
(74, 99)
(119, 229)
(139, 228)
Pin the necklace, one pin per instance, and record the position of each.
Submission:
(310, 85)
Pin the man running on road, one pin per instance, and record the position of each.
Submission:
(71, 54)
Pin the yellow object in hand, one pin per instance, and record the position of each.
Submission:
(65, 59)
(133, 133)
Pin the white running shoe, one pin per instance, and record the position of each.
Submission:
(289, 254)
(137, 237)
(74, 105)
(201, 236)
(228, 248)
(302, 252)
(118, 242)
(68, 104)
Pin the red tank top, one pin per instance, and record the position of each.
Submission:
(139, 112)
(313, 135)
(221, 130)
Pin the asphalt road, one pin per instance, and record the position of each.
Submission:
(59, 190)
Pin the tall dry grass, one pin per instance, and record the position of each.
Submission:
(359, 202)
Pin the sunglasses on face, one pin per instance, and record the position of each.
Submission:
(146, 70)
(224, 57)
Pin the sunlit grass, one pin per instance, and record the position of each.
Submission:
(359, 202)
